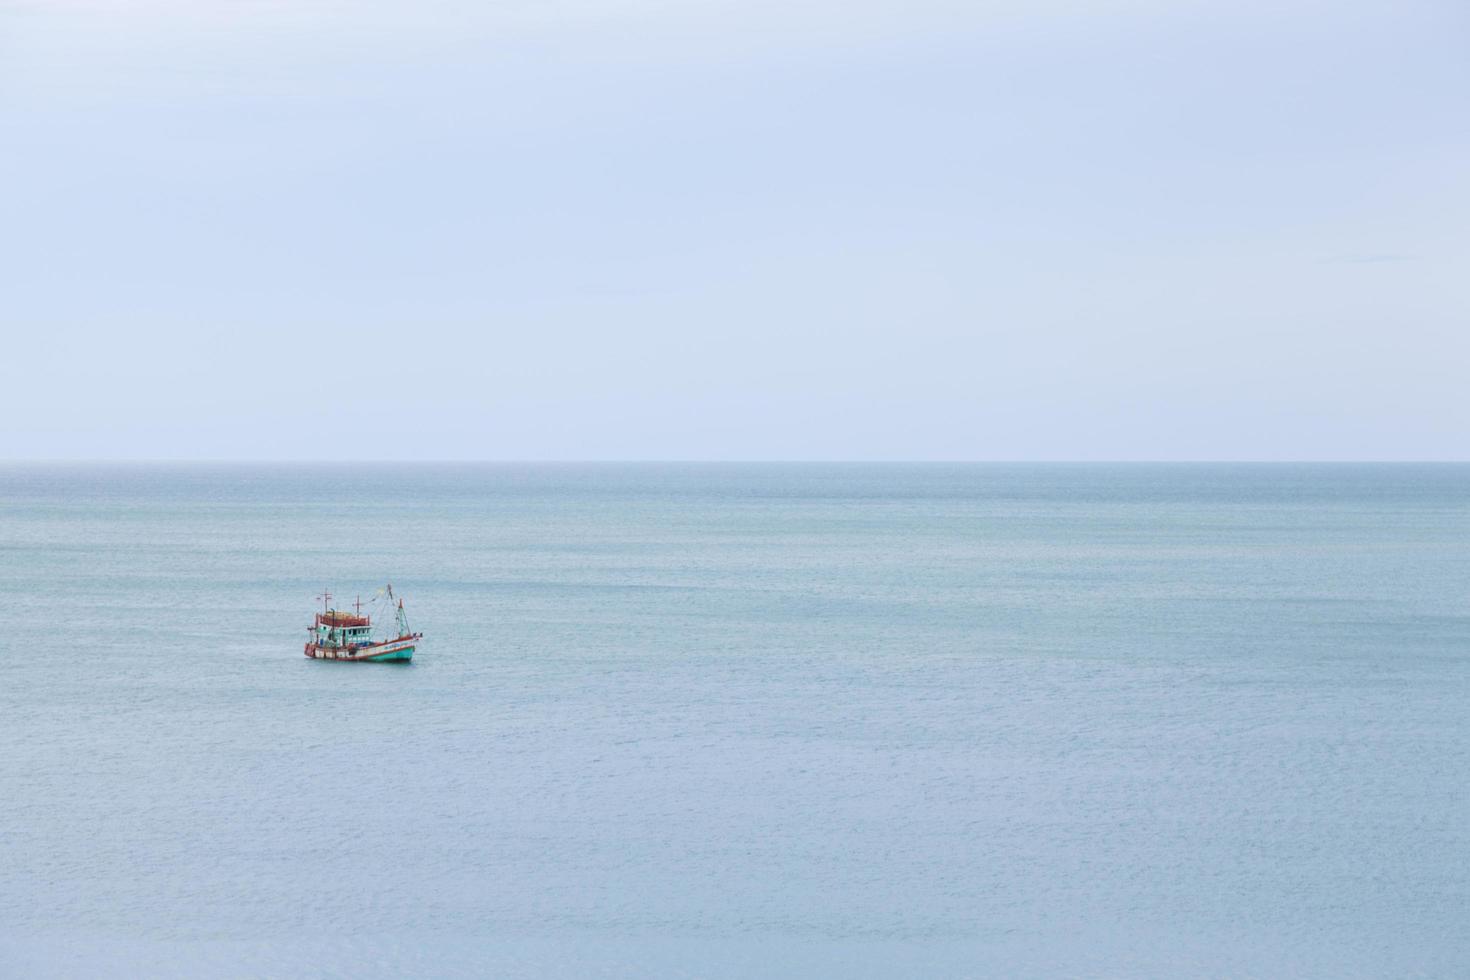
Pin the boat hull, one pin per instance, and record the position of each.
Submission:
(394, 652)
(404, 653)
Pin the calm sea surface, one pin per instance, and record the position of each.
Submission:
(739, 720)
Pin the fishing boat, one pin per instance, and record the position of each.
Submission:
(341, 635)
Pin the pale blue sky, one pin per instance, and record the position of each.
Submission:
(643, 229)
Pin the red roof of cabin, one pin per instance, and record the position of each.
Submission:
(340, 619)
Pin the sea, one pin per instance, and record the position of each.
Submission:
(738, 720)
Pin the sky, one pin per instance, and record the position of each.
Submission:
(709, 229)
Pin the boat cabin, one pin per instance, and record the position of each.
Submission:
(336, 628)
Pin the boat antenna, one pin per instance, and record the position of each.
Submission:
(325, 597)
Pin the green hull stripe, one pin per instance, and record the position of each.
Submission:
(405, 654)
